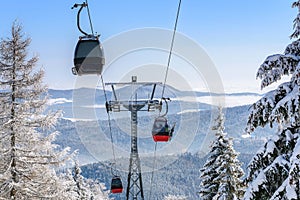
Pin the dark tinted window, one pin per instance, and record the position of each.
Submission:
(159, 126)
(88, 49)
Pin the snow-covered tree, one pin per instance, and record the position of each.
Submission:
(274, 170)
(221, 174)
(69, 188)
(77, 187)
(98, 190)
(81, 187)
(27, 156)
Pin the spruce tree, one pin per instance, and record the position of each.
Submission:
(274, 170)
(81, 188)
(221, 174)
(76, 187)
(98, 190)
(28, 157)
(69, 188)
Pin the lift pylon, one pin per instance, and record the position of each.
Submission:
(134, 105)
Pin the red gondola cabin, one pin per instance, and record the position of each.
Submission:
(116, 185)
(161, 131)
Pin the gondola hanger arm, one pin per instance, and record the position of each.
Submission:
(167, 106)
(82, 5)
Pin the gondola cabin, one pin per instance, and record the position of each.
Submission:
(116, 185)
(88, 56)
(160, 130)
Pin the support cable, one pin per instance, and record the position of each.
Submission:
(171, 48)
(90, 19)
(152, 173)
(109, 121)
(163, 90)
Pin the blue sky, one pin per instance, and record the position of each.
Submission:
(237, 35)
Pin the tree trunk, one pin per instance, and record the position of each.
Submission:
(13, 134)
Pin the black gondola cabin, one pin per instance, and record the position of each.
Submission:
(161, 131)
(116, 185)
(88, 56)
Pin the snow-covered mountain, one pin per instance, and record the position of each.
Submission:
(192, 113)
(76, 104)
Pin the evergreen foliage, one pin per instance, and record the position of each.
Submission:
(221, 174)
(274, 170)
(27, 157)
(87, 188)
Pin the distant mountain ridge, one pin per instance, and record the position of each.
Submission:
(182, 112)
(89, 103)
(173, 178)
(68, 93)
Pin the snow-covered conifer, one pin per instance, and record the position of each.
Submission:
(77, 187)
(221, 174)
(296, 32)
(81, 187)
(27, 157)
(274, 170)
(98, 190)
(68, 188)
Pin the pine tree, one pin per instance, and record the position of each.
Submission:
(69, 188)
(76, 187)
(81, 188)
(221, 174)
(98, 190)
(28, 157)
(274, 170)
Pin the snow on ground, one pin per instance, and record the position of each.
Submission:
(95, 106)
(58, 101)
(188, 111)
(77, 119)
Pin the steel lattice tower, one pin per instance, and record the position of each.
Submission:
(134, 180)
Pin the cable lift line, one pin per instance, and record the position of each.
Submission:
(160, 130)
(152, 173)
(116, 182)
(89, 54)
(88, 60)
(171, 48)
